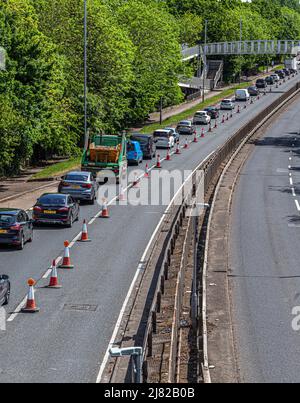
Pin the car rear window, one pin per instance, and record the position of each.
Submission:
(7, 219)
(55, 200)
(78, 178)
(161, 134)
(226, 101)
(142, 140)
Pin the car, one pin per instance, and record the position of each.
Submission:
(242, 95)
(275, 77)
(16, 228)
(134, 152)
(253, 91)
(80, 185)
(227, 104)
(175, 133)
(213, 112)
(4, 289)
(270, 80)
(261, 83)
(56, 208)
(147, 144)
(287, 72)
(201, 117)
(280, 73)
(186, 127)
(164, 138)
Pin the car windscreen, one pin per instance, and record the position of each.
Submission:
(7, 219)
(161, 134)
(141, 140)
(55, 200)
(77, 178)
(130, 147)
(226, 101)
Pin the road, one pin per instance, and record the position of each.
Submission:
(63, 344)
(264, 244)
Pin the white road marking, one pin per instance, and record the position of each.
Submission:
(297, 205)
(139, 269)
(293, 192)
(291, 181)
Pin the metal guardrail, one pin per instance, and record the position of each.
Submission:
(164, 243)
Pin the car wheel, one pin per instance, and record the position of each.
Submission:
(31, 237)
(70, 222)
(22, 242)
(6, 300)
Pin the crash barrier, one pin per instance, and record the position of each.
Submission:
(146, 303)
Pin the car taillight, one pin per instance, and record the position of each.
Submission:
(16, 227)
(87, 186)
(37, 209)
(65, 184)
(116, 171)
(63, 210)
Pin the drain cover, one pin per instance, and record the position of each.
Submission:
(80, 307)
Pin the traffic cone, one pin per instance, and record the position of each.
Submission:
(202, 133)
(66, 264)
(84, 233)
(104, 212)
(121, 196)
(30, 306)
(231, 115)
(146, 172)
(245, 106)
(216, 124)
(195, 138)
(186, 144)
(177, 149)
(210, 128)
(136, 181)
(227, 117)
(238, 109)
(54, 278)
(168, 157)
(223, 119)
(158, 163)
(251, 102)
(276, 85)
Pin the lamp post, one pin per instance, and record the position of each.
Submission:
(85, 76)
(241, 38)
(204, 61)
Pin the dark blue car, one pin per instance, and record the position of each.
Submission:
(134, 152)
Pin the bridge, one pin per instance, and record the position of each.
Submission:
(257, 47)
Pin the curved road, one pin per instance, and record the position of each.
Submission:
(67, 343)
(265, 255)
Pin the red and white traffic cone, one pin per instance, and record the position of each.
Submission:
(251, 102)
(186, 144)
(216, 124)
(168, 157)
(66, 263)
(54, 278)
(84, 233)
(238, 109)
(223, 119)
(30, 306)
(121, 196)
(227, 117)
(158, 163)
(202, 133)
(146, 175)
(177, 149)
(104, 212)
(210, 128)
(195, 138)
(245, 106)
(136, 181)
(231, 115)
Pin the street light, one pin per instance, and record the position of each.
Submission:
(204, 61)
(241, 38)
(136, 353)
(85, 77)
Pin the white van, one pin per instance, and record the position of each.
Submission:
(242, 95)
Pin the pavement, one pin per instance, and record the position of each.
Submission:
(67, 340)
(264, 276)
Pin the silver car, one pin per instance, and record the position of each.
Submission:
(79, 185)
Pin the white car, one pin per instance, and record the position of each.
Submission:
(201, 117)
(227, 104)
(242, 95)
(275, 77)
(164, 138)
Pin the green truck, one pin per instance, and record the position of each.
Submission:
(106, 157)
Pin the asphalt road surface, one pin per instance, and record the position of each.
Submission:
(265, 239)
(67, 340)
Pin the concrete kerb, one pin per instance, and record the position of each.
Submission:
(205, 365)
(17, 195)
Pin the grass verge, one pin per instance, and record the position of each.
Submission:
(58, 169)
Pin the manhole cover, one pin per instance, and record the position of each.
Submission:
(80, 307)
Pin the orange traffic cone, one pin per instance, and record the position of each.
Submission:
(54, 278)
(202, 133)
(210, 128)
(223, 119)
(122, 196)
(168, 157)
(251, 102)
(136, 181)
(177, 149)
(146, 171)
(104, 212)
(195, 138)
(66, 264)
(245, 106)
(227, 117)
(186, 144)
(84, 233)
(216, 124)
(231, 115)
(30, 306)
(158, 163)
(238, 109)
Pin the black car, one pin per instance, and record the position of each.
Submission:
(270, 80)
(147, 144)
(16, 228)
(280, 73)
(213, 112)
(56, 208)
(287, 72)
(4, 289)
(261, 83)
(253, 91)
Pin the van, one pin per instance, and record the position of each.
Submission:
(134, 153)
(242, 95)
